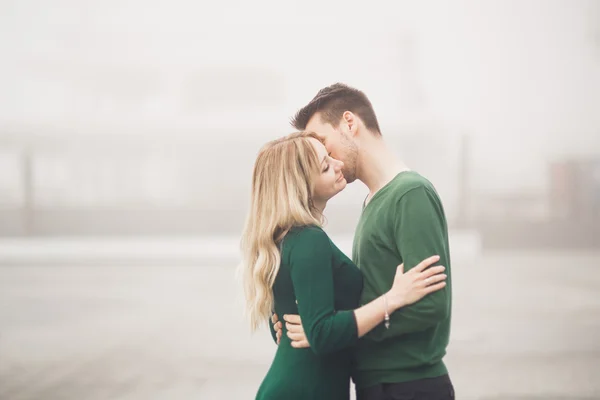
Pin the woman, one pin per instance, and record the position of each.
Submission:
(292, 267)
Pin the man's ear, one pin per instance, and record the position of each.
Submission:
(350, 122)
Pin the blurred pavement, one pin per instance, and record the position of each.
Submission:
(525, 326)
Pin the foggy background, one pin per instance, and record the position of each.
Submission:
(128, 131)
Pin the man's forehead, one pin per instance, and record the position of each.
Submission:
(317, 126)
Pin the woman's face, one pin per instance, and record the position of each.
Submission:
(330, 181)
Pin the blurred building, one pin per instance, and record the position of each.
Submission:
(565, 215)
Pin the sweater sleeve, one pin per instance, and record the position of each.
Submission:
(311, 258)
(420, 232)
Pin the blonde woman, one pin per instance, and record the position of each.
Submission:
(290, 266)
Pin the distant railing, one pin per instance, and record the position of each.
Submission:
(104, 184)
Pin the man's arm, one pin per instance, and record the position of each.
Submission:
(420, 231)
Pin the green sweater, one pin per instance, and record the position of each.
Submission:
(318, 282)
(403, 223)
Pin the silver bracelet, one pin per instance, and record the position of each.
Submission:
(386, 316)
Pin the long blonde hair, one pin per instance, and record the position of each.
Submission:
(281, 197)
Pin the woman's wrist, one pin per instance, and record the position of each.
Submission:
(393, 302)
(386, 311)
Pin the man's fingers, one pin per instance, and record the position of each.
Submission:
(294, 328)
(292, 318)
(296, 336)
(278, 331)
(274, 318)
(302, 344)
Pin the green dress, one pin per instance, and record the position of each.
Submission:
(318, 282)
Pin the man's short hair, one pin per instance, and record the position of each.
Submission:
(332, 102)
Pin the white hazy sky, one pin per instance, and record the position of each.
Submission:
(521, 77)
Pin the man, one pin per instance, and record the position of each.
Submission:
(402, 221)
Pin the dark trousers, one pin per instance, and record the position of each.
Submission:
(439, 388)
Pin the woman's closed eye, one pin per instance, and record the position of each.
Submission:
(327, 158)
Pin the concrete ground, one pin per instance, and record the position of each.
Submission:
(525, 326)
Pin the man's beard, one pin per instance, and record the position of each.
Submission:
(351, 158)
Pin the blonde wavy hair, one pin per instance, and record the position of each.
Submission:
(281, 198)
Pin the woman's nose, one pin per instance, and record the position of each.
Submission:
(339, 165)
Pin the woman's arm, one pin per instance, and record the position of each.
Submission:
(327, 330)
(311, 269)
(407, 288)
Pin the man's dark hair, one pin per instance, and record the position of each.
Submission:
(332, 102)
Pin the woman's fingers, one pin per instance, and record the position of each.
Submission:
(435, 279)
(432, 271)
(420, 267)
(400, 269)
(434, 288)
(433, 275)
